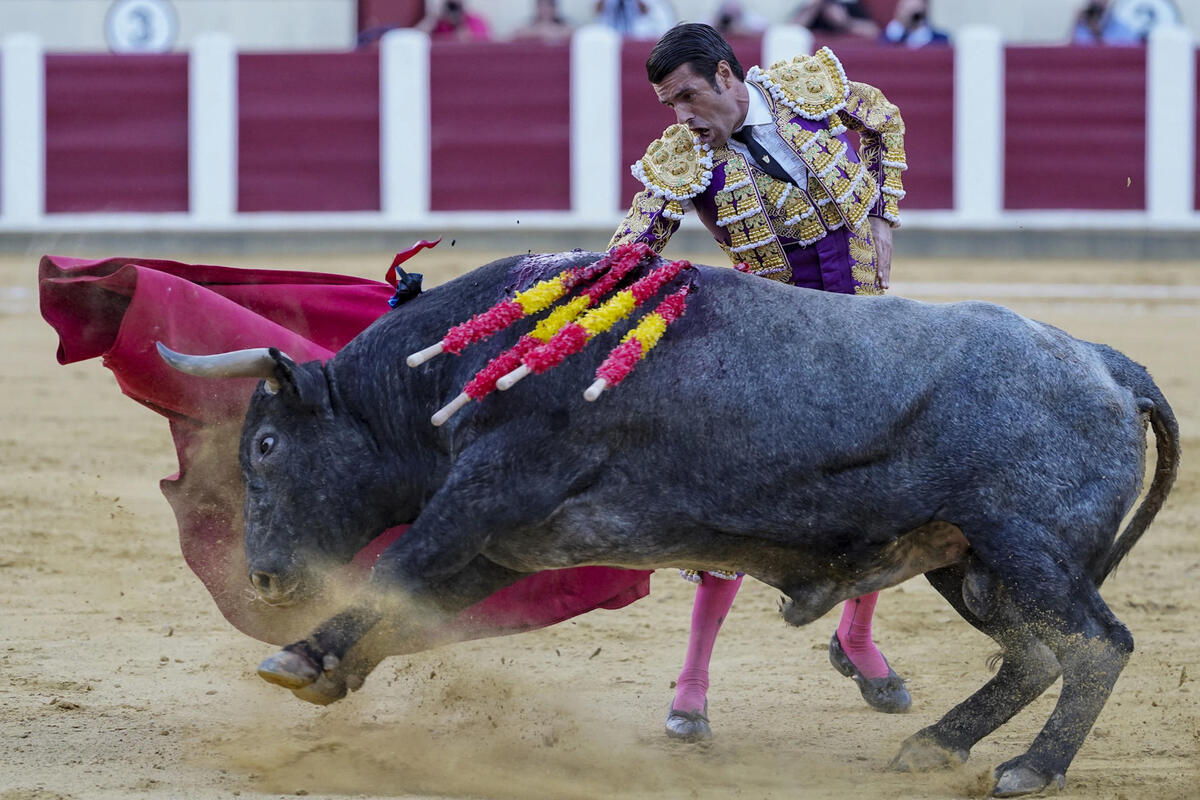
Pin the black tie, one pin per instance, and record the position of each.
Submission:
(762, 159)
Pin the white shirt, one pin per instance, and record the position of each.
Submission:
(762, 128)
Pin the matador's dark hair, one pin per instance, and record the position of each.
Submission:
(691, 43)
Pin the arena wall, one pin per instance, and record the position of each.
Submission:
(80, 25)
(414, 136)
(1018, 21)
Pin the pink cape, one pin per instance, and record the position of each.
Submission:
(117, 308)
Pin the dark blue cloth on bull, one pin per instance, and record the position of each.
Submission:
(408, 286)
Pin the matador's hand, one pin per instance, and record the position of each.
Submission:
(881, 232)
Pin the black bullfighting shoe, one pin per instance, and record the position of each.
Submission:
(882, 694)
(689, 726)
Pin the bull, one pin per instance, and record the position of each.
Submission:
(827, 445)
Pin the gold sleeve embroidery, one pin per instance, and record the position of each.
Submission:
(651, 219)
(881, 129)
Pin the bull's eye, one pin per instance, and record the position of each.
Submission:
(266, 444)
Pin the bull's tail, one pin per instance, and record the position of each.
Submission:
(1150, 400)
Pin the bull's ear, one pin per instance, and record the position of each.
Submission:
(307, 385)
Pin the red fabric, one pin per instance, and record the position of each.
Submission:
(117, 308)
(405, 255)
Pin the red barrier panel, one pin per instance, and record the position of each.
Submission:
(500, 130)
(643, 118)
(1075, 128)
(308, 131)
(116, 133)
(921, 83)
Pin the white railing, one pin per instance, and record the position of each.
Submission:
(595, 143)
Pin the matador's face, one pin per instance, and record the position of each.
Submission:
(711, 113)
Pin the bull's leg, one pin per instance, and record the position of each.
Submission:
(436, 569)
(1027, 670)
(340, 654)
(1036, 606)
(1092, 647)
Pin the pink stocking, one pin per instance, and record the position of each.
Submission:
(714, 598)
(854, 633)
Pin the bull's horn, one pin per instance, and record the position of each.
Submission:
(253, 363)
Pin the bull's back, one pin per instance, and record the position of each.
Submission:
(833, 401)
(766, 406)
(758, 374)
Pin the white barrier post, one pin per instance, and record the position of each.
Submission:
(404, 122)
(212, 129)
(22, 129)
(978, 124)
(1170, 124)
(783, 42)
(596, 123)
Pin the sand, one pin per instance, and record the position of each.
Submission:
(119, 678)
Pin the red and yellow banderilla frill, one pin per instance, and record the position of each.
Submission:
(567, 328)
(574, 335)
(637, 343)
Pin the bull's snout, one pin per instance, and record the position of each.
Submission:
(273, 589)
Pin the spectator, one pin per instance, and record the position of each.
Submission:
(838, 17)
(1096, 24)
(547, 24)
(1139, 17)
(454, 22)
(640, 19)
(910, 26)
(732, 19)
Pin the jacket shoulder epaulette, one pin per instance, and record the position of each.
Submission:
(675, 166)
(812, 86)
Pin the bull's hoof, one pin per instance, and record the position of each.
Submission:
(688, 726)
(289, 669)
(1014, 780)
(324, 690)
(921, 752)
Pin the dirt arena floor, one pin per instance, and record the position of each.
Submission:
(120, 679)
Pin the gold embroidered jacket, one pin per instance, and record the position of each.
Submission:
(753, 216)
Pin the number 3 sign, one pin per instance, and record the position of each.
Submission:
(140, 26)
